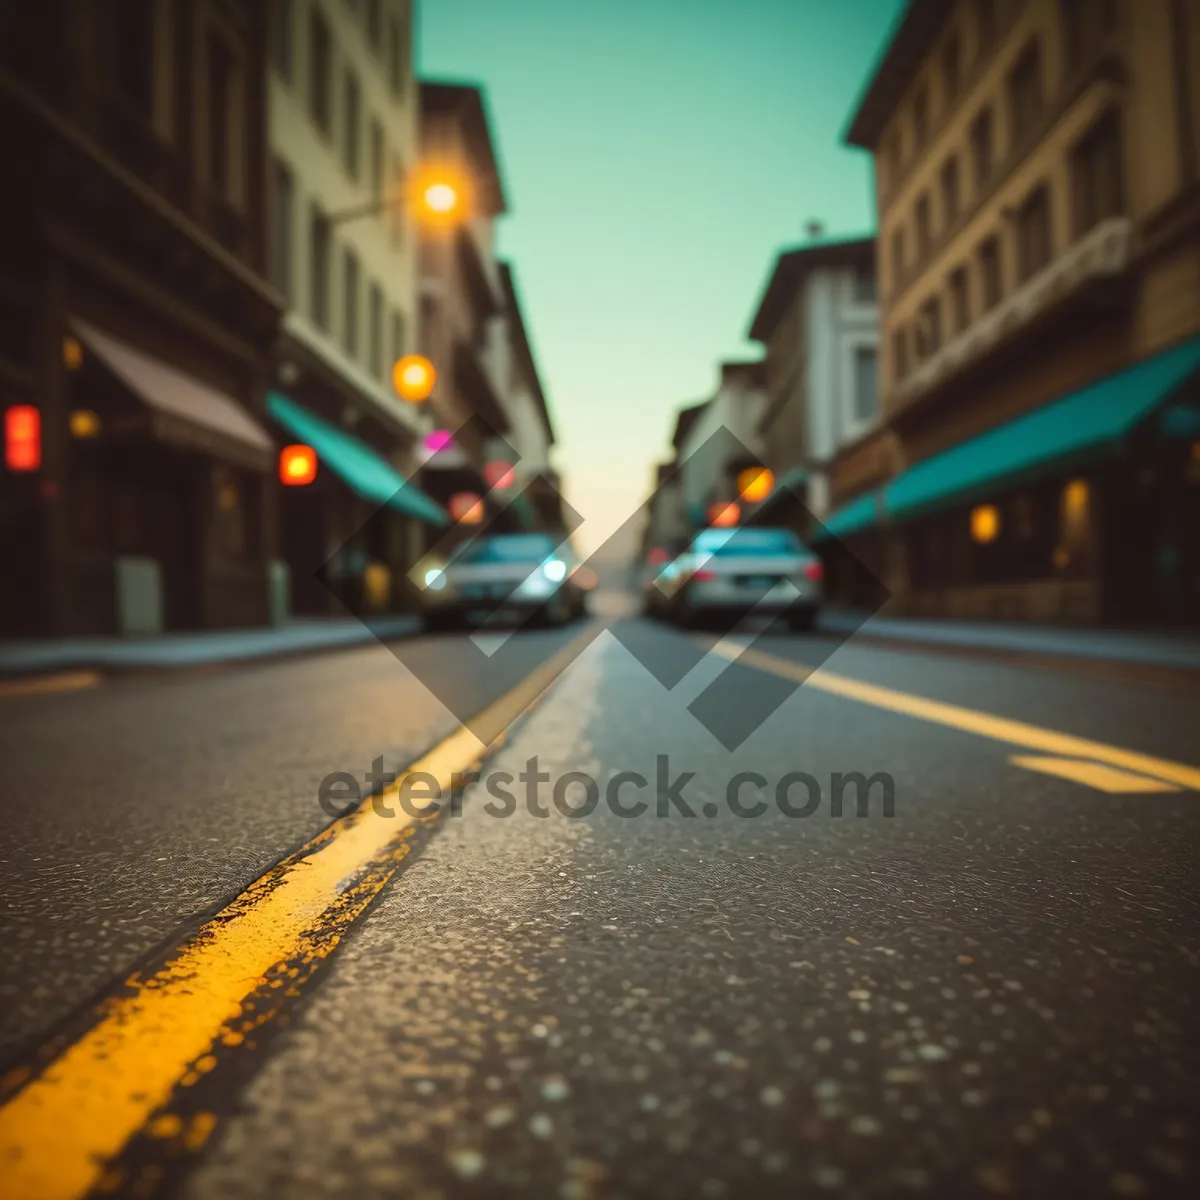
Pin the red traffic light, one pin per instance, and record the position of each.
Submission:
(22, 438)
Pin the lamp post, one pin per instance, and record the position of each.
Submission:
(441, 195)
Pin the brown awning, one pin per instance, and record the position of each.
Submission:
(182, 409)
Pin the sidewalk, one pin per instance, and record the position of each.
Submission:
(38, 655)
(1171, 649)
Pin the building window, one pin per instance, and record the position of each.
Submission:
(399, 349)
(929, 327)
(924, 228)
(983, 148)
(1087, 25)
(985, 23)
(375, 24)
(990, 275)
(899, 353)
(960, 303)
(397, 54)
(864, 285)
(283, 200)
(1034, 245)
(319, 269)
(397, 210)
(375, 332)
(222, 123)
(897, 258)
(320, 71)
(894, 159)
(134, 32)
(1097, 176)
(352, 118)
(283, 38)
(951, 68)
(376, 157)
(920, 118)
(232, 524)
(866, 384)
(350, 302)
(950, 193)
(1025, 93)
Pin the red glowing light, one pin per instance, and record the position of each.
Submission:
(814, 571)
(22, 438)
(723, 516)
(297, 465)
(467, 508)
(499, 475)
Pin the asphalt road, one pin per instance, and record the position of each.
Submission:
(992, 991)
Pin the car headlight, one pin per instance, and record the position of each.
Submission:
(554, 570)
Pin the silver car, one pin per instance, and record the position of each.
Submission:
(517, 573)
(726, 574)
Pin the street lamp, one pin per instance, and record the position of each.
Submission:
(436, 194)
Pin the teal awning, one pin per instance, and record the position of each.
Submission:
(1083, 426)
(859, 514)
(362, 469)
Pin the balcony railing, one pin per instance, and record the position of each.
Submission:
(1103, 253)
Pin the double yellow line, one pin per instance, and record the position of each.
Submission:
(63, 1128)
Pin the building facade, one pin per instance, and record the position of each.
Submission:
(1039, 232)
(137, 492)
(344, 118)
(819, 325)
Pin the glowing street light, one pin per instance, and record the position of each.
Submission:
(297, 465)
(755, 484)
(724, 515)
(413, 377)
(467, 508)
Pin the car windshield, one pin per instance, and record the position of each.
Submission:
(728, 542)
(511, 548)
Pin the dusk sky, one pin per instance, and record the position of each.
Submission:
(657, 155)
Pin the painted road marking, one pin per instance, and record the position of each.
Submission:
(1093, 775)
(61, 1129)
(46, 685)
(1000, 729)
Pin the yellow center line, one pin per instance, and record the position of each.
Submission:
(58, 1132)
(1000, 729)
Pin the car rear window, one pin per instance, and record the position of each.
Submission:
(741, 541)
(515, 548)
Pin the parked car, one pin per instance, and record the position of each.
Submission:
(725, 574)
(519, 573)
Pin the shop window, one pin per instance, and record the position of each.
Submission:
(864, 285)
(929, 327)
(399, 348)
(234, 510)
(1097, 176)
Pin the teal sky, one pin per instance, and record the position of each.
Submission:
(657, 155)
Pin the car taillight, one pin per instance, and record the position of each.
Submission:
(814, 571)
(704, 576)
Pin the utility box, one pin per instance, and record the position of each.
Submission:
(139, 597)
(279, 586)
